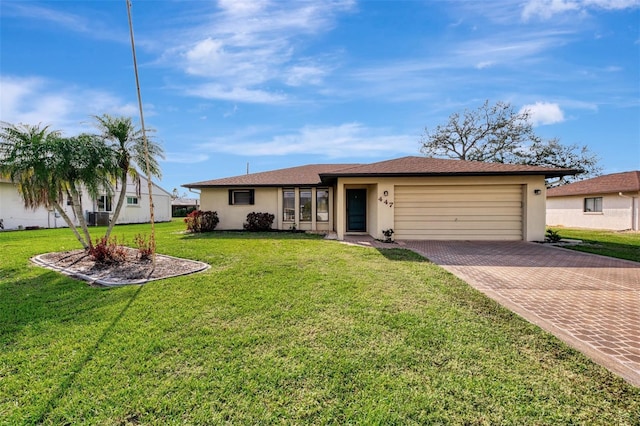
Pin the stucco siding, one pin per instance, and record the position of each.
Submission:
(617, 212)
(234, 216)
(523, 208)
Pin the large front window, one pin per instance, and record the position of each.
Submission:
(289, 205)
(305, 205)
(104, 203)
(322, 205)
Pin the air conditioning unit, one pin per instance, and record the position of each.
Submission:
(98, 219)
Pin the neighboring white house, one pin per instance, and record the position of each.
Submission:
(605, 202)
(97, 211)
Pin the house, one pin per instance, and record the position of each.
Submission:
(417, 197)
(605, 202)
(180, 206)
(97, 211)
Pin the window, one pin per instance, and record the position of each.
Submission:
(305, 205)
(241, 197)
(289, 205)
(322, 205)
(132, 201)
(593, 205)
(104, 203)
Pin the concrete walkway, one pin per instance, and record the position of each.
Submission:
(590, 302)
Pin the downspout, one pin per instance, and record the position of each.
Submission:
(634, 211)
(199, 196)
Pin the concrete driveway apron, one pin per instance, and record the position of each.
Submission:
(590, 302)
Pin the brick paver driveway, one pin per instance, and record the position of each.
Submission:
(590, 302)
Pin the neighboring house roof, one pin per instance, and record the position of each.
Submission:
(606, 184)
(302, 175)
(185, 202)
(317, 174)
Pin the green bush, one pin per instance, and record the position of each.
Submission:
(201, 221)
(259, 221)
(552, 236)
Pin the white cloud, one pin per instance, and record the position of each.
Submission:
(68, 21)
(544, 113)
(34, 100)
(236, 94)
(184, 158)
(299, 75)
(545, 9)
(345, 140)
(247, 46)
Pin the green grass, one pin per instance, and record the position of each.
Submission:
(623, 245)
(284, 328)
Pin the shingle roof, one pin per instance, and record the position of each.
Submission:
(316, 174)
(424, 166)
(607, 184)
(301, 175)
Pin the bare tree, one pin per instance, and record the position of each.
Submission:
(498, 134)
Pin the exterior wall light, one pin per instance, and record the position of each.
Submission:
(537, 191)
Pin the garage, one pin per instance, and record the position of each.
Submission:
(455, 212)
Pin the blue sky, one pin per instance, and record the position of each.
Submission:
(278, 84)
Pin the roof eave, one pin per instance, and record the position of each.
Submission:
(248, 185)
(546, 173)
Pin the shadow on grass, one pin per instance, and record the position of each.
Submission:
(401, 254)
(239, 235)
(48, 297)
(38, 418)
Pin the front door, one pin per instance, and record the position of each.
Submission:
(356, 210)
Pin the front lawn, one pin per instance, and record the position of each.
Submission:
(623, 245)
(284, 328)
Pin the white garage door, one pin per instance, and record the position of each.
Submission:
(473, 212)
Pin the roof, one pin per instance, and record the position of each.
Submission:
(301, 175)
(425, 166)
(606, 184)
(185, 202)
(317, 174)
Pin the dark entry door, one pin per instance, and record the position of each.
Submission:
(356, 210)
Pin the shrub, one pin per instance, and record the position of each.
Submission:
(183, 212)
(201, 221)
(552, 236)
(146, 248)
(259, 221)
(108, 250)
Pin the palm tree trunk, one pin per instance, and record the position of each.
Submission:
(72, 226)
(77, 208)
(123, 193)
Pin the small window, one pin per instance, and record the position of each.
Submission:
(322, 205)
(593, 205)
(132, 201)
(241, 197)
(289, 205)
(305, 205)
(104, 203)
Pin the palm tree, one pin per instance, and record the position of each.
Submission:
(128, 144)
(45, 167)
